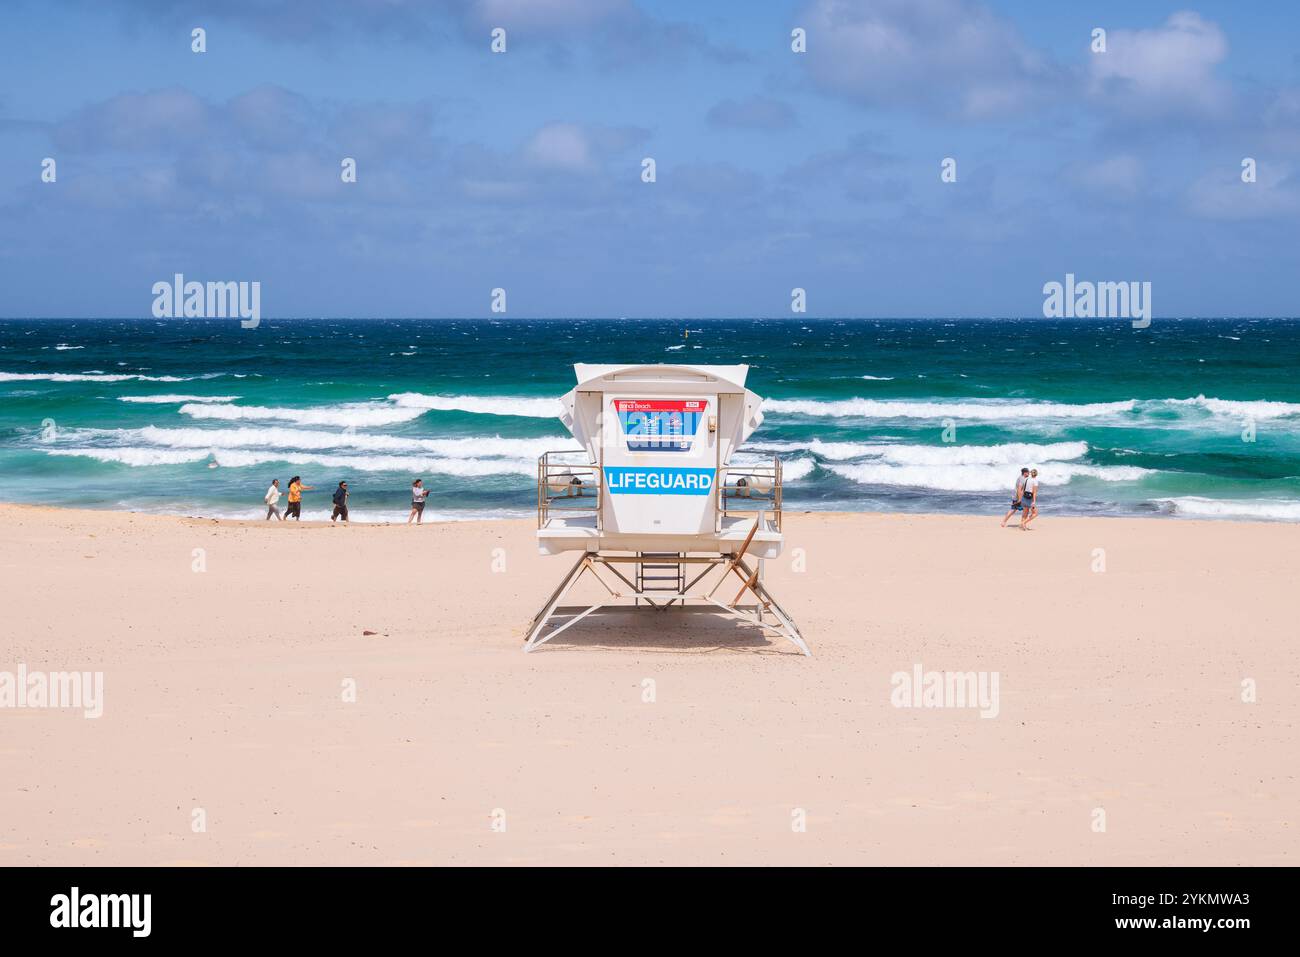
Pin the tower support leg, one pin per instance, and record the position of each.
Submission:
(542, 617)
(781, 624)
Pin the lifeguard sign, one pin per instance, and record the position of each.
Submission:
(659, 491)
(662, 447)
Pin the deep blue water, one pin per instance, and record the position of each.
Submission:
(1187, 417)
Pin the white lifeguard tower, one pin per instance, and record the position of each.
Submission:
(654, 491)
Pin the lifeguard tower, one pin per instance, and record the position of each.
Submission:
(653, 501)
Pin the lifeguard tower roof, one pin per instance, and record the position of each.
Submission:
(589, 373)
(705, 382)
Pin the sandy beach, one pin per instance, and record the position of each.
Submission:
(226, 672)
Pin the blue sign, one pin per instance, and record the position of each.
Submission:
(660, 425)
(652, 481)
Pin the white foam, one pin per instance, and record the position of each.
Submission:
(91, 377)
(796, 469)
(978, 478)
(792, 470)
(357, 414)
(842, 450)
(135, 457)
(240, 458)
(1238, 409)
(836, 451)
(171, 399)
(981, 409)
(1005, 410)
(308, 439)
(1011, 453)
(528, 406)
(1226, 508)
(359, 515)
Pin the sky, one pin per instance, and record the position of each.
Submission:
(774, 169)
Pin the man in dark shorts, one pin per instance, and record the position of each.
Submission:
(340, 502)
(1017, 503)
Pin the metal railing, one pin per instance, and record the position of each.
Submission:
(746, 489)
(576, 487)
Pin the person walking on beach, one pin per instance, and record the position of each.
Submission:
(296, 488)
(1017, 501)
(340, 502)
(273, 496)
(418, 494)
(1031, 500)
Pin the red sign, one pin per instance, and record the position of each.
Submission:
(659, 405)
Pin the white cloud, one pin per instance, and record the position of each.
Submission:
(569, 147)
(1223, 196)
(561, 146)
(1169, 68)
(1115, 175)
(547, 14)
(137, 122)
(952, 56)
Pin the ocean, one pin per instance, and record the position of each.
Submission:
(1187, 418)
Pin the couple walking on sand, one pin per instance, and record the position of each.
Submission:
(1026, 499)
(294, 509)
(296, 488)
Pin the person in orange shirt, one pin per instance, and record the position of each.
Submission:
(296, 488)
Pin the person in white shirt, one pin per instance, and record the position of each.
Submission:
(418, 494)
(1031, 499)
(272, 497)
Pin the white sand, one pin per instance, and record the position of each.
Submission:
(1119, 690)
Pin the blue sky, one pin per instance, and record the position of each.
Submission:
(774, 169)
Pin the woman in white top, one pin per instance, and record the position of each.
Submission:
(418, 494)
(273, 496)
(1031, 499)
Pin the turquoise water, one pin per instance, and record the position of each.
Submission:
(1186, 418)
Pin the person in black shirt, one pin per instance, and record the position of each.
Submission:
(340, 502)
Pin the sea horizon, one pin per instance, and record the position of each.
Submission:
(621, 318)
(195, 417)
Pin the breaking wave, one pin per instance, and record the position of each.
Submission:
(978, 478)
(529, 406)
